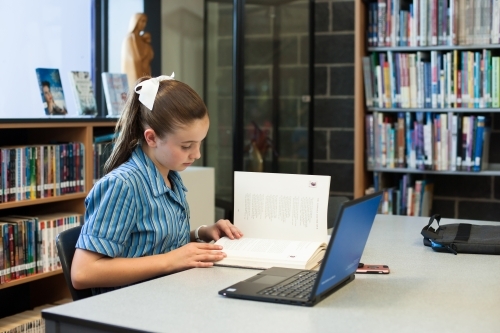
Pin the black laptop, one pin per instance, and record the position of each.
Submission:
(308, 287)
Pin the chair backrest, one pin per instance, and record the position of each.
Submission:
(334, 204)
(65, 243)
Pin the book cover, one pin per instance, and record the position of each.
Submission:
(115, 90)
(51, 90)
(83, 90)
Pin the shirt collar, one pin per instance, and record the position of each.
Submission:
(147, 167)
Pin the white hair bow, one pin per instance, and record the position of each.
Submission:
(148, 89)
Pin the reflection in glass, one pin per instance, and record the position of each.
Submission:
(276, 89)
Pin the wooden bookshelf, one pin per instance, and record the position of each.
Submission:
(30, 279)
(481, 102)
(47, 287)
(363, 177)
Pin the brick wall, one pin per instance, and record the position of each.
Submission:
(334, 94)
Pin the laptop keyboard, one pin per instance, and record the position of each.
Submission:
(299, 287)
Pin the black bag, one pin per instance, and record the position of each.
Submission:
(462, 237)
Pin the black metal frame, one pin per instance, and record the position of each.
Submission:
(312, 45)
(152, 9)
(99, 56)
(276, 86)
(238, 83)
(205, 64)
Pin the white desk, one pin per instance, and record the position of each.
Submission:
(425, 291)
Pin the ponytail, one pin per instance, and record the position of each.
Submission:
(130, 132)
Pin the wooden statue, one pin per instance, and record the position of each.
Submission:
(137, 52)
(148, 53)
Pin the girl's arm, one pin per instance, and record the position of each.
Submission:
(94, 270)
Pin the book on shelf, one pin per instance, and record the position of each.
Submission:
(40, 171)
(83, 91)
(115, 91)
(368, 81)
(283, 218)
(370, 141)
(23, 233)
(27, 322)
(440, 141)
(51, 90)
(432, 79)
(102, 152)
(415, 23)
(105, 137)
(403, 194)
(27, 243)
(102, 148)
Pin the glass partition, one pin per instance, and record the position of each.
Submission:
(274, 134)
(45, 34)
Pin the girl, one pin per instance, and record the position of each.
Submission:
(137, 218)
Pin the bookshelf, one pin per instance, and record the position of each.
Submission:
(38, 289)
(470, 36)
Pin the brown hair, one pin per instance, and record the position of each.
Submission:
(176, 105)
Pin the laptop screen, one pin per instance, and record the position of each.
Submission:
(348, 241)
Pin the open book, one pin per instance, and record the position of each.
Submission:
(283, 218)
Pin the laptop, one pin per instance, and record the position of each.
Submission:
(342, 256)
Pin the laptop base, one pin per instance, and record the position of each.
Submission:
(250, 288)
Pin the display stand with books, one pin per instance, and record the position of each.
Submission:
(29, 274)
(116, 88)
(426, 85)
(83, 91)
(283, 218)
(51, 90)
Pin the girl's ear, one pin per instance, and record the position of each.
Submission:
(150, 137)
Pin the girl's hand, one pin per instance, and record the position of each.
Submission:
(219, 229)
(194, 255)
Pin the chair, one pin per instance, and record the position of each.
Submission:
(65, 243)
(334, 204)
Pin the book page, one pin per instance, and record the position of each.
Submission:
(265, 253)
(281, 206)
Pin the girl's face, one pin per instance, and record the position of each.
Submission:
(47, 94)
(177, 151)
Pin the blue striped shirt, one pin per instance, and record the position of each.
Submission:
(131, 212)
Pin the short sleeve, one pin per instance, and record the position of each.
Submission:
(109, 217)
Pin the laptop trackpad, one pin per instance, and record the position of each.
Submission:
(268, 279)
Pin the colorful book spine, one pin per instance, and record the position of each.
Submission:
(382, 17)
(478, 143)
